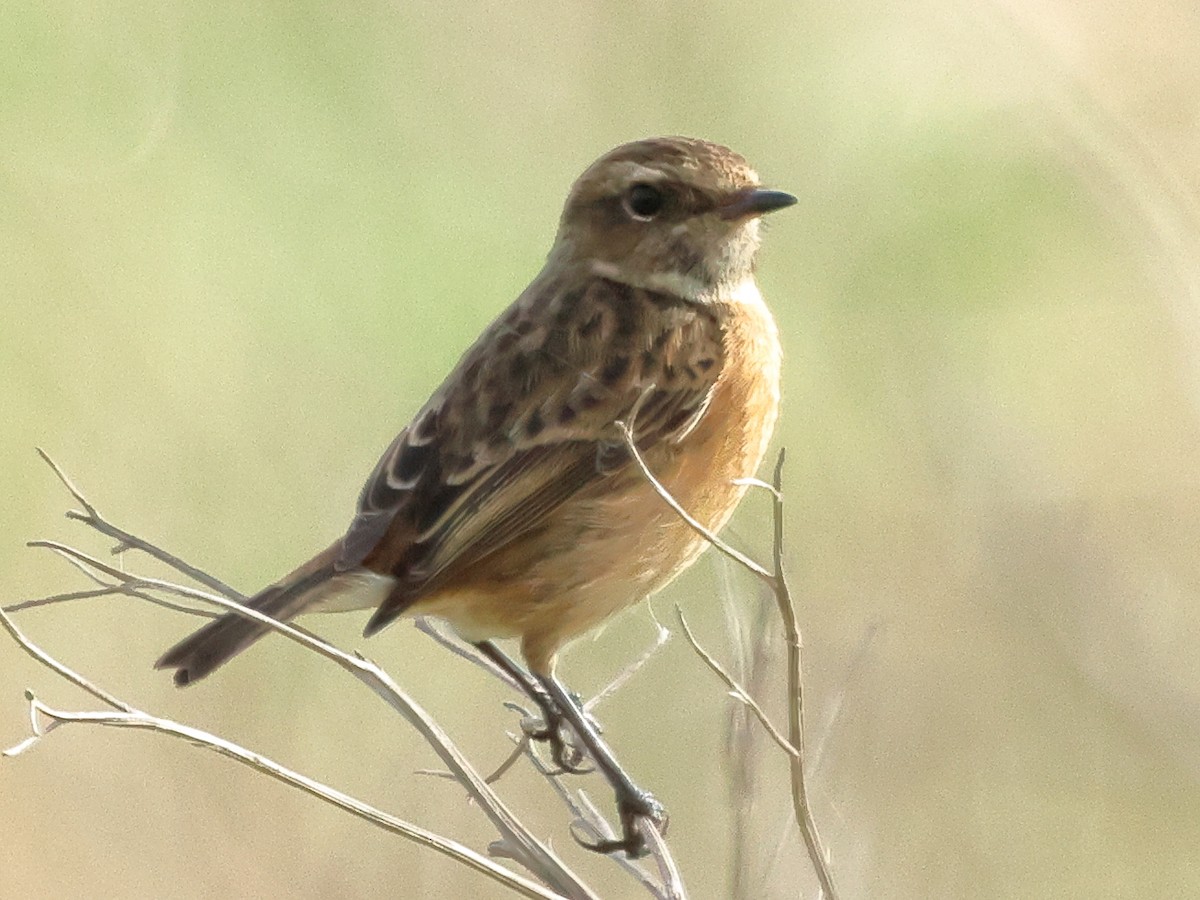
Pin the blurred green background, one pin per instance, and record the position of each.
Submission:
(240, 243)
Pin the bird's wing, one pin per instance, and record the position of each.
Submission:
(528, 418)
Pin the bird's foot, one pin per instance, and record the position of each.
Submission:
(634, 806)
(553, 730)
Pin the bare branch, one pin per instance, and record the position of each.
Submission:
(758, 483)
(530, 851)
(65, 597)
(588, 821)
(128, 589)
(67, 483)
(83, 559)
(738, 692)
(526, 848)
(458, 852)
(778, 583)
(50, 662)
(127, 541)
(83, 568)
(787, 611)
(520, 745)
(523, 845)
(428, 627)
(672, 883)
(516, 841)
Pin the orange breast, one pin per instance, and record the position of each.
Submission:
(613, 545)
(732, 438)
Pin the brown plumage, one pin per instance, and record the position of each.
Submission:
(509, 506)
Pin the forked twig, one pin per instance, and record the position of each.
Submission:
(125, 715)
(523, 846)
(776, 580)
(519, 841)
(738, 692)
(126, 541)
(516, 841)
(130, 718)
(54, 665)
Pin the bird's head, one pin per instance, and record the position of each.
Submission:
(669, 214)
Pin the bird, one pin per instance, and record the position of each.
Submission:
(511, 506)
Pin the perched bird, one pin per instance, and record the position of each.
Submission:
(510, 506)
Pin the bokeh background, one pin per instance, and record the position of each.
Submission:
(240, 243)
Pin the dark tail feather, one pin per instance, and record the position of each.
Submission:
(222, 639)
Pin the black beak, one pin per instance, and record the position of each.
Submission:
(754, 202)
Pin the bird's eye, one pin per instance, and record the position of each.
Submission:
(643, 202)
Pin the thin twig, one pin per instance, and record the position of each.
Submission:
(732, 552)
(84, 569)
(68, 484)
(591, 826)
(66, 597)
(777, 581)
(524, 846)
(517, 842)
(661, 636)
(456, 851)
(53, 664)
(739, 693)
(518, 751)
(787, 611)
(668, 872)
(78, 556)
(127, 541)
(758, 483)
(428, 627)
(129, 589)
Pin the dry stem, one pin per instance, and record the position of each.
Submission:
(775, 579)
(516, 840)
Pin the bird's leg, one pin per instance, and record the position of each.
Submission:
(633, 803)
(565, 756)
(558, 705)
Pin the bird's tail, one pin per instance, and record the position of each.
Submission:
(222, 639)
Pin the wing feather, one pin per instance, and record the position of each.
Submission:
(526, 420)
